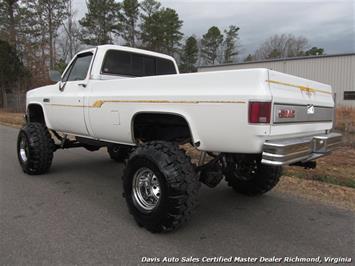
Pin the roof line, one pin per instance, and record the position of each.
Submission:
(280, 59)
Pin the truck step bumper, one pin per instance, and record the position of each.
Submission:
(288, 151)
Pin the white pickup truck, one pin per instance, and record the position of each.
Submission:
(134, 102)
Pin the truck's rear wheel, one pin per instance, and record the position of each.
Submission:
(119, 153)
(252, 178)
(160, 186)
(35, 148)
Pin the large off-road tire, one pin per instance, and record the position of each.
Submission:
(256, 180)
(119, 153)
(160, 186)
(35, 148)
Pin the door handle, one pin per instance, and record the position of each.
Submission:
(82, 85)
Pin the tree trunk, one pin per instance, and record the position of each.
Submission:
(12, 30)
(133, 43)
(4, 99)
(50, 32)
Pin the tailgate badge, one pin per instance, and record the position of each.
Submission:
(286, 113)
(310, 109)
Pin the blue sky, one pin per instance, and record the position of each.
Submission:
(327, 24)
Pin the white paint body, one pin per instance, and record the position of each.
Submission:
(214, 104)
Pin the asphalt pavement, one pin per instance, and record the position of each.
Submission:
(75, 215)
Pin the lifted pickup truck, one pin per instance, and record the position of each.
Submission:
(134, 102)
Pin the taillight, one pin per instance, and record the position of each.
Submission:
(259, 112)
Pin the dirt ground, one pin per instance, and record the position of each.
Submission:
(330, 194)
(345, 119)
(332, 182)
(337, 168)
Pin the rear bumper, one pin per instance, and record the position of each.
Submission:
(288, 151)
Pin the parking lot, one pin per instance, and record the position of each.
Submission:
(75, 214)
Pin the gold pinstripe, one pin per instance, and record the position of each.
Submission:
(66, 105)
(302, 88)
(99, 103)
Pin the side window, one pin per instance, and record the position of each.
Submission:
(165, 67)
(149, 66)
(137, 65)
(79, 69)
(117, 63)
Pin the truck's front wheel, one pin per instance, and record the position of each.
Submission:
(35, 148)
(160, 186)
(250, 177)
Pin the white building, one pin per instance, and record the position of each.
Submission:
(336, 70)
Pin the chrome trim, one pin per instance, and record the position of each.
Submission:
(303, 149)
(321, 113)
(145, 190)
(23, 150)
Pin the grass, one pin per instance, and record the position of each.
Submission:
(11, 119)
(337, 168)
(334, 180)
(345, 119)
(345, 122)
(348, 182)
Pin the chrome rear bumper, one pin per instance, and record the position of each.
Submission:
(288, 151)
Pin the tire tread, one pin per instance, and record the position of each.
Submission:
(267, 179)
(181, 179)
(41, 147)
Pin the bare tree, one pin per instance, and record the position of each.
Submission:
(280, 46)
(70, 43)
(52, 13)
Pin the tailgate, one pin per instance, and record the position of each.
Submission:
(300, 106)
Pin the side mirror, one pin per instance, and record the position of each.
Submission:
(54, 75)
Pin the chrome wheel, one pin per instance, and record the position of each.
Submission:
(146, 189)
(23, 149)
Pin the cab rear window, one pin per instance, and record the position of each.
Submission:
(135, 65)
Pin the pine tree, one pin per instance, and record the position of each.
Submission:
(129, 18)
(100, 22)
(161, 31)
(12, 71)
(189, 55)
(211, 44)
(230, 47)
(148, 8)
(8, 20)
(314, 51)
(249, 58)
(30, 30)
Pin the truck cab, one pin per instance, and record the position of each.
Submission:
(66, 102)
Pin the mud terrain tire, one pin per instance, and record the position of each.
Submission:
(265, 179)
(177, 181)
(35, 148)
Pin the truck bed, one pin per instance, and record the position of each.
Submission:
(215, 104)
